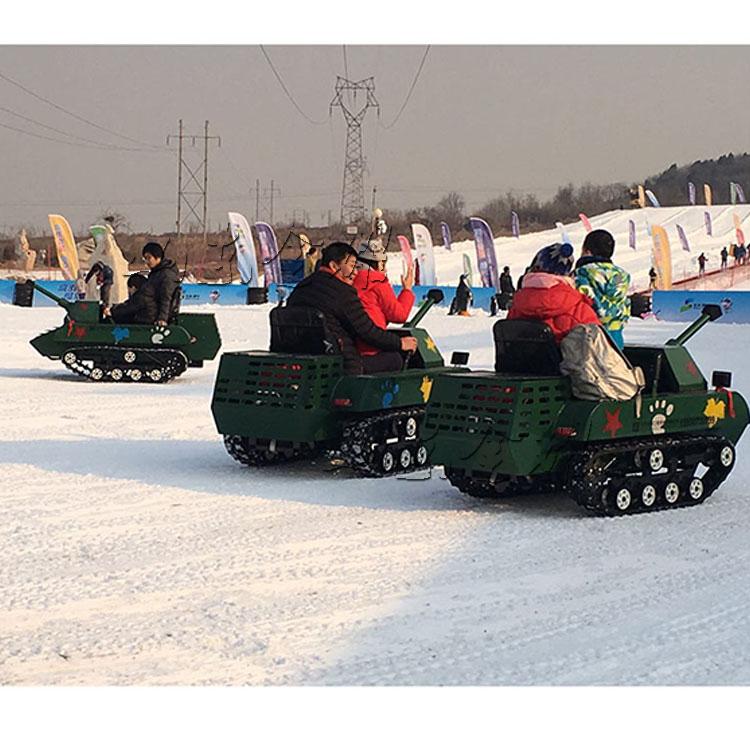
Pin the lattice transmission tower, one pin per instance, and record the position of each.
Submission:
(353, 191)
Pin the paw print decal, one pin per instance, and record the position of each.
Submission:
(159, 336)
(660, 411)
(390, 389)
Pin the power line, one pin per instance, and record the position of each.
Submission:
(286, 90)
(411, 89)
(110, 146)
(73, 114)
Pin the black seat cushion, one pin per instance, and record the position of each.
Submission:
(301, 330)
(525, 347)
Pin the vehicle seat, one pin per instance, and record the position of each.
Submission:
(525, 347)
(301, 330)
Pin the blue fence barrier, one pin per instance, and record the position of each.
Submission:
(231, 294)
(682, 306)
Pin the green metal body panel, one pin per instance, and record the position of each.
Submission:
(277, 396)
(521, 425)
(194, 334)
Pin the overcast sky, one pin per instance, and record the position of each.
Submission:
(481, 120)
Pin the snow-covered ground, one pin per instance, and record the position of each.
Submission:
(135, 551)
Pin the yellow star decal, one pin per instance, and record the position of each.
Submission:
(426, 388)
(714, 411)
(430, 344)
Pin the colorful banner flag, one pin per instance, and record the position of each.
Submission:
(515, 224)
(425, 254)
(738, 229)
(269, 253)
(691, 193)
(707, 194)
(683, 239)
(707, 222)
(563, 234)
(631, 233)
(736, 194)
(641, 197)
(247, 263)
(662, 256)
(652, 199)
(485, 246)
(467, 270)
(446, 232)
(586, 222)
(403, 243)
(65, 245)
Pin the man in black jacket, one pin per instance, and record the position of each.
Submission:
(162, 285)
(330, 290)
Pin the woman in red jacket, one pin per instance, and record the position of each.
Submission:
(376, 293)
(549, 294)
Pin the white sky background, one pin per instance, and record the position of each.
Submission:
(494, 127)
(481, 120)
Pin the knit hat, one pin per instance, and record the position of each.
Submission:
(556, 259)
(371, 252)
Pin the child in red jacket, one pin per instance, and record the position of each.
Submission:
(376, 293)
(549, 294)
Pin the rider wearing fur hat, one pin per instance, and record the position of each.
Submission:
(376, 293)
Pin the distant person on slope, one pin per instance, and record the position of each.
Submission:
(724, 256)
(702, 264)
(376, 293)
(549, 293)
(606, 284)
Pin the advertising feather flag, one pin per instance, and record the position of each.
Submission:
(683, 239)
(515, 224)
(446, 232)
(707, 194)
(738, 229)
(641, 197)
(247, 263)
(662, 255)
(691, 193)
(563, 234)
(467, 270)
(585, 221)
(652, 199)
(485, 245)
(65, 245)
(403, 243)
(631, 233)
(707, 222)
(269, 252)
(425, 254)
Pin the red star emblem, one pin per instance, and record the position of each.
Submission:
(692, 369)
(79, 332)
(613, 421)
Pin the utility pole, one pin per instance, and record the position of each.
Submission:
(191, 191)
(374, 190)
(264, 200)
(353, 190)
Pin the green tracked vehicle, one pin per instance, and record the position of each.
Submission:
(101, 350)
(282, 405)
(519, 430)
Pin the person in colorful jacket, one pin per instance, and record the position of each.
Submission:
(606, 284)
(376, 293)
(549, 294)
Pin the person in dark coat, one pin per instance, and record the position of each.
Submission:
(104, 279)
(162, 287)
(504, 299)
(134, 309)
(330, 289)
(724, 256)
(702, 264)
(462, 299)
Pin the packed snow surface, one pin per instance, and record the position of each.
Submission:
(135, 551)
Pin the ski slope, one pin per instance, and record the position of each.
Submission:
(136, 552)
(517, 253)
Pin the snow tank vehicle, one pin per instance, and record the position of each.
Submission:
(295, 401)
(519, 430)
(99, 349)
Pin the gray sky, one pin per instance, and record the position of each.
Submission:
(481, 120)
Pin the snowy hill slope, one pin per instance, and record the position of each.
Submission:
(517, 253)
